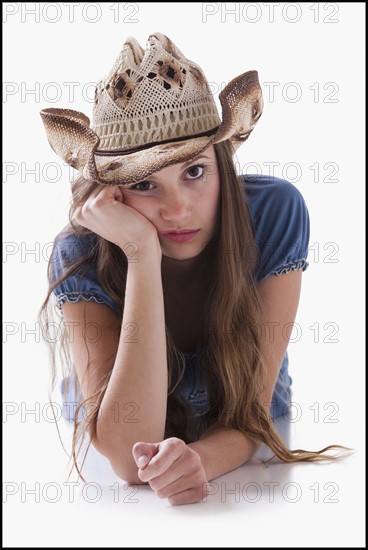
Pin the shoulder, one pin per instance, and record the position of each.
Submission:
(74, 270)
(70, 247)
(70, 250)
(270, 196)
(281, 224)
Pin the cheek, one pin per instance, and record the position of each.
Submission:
(206, 210)
(212, 199)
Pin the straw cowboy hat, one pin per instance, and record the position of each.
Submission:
(154, 109)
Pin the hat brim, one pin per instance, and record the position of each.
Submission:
(132, 168)
(71, 137)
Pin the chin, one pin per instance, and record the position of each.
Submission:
(181, 254)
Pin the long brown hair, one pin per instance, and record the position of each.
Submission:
(232, 343)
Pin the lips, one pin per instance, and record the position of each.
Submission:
(181, 236)
(178, 231)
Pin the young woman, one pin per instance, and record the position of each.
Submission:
(176, 278)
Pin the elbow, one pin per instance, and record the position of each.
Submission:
(126, 473)
(121, 462)
(125, 468)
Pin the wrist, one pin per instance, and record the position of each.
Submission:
(138, 253)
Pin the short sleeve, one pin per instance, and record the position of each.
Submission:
(281, 224)
(84, 284)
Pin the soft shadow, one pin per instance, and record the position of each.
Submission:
(261, 480)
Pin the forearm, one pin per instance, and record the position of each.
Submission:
(134, 406)
(222, 450)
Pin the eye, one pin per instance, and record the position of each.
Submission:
(144, 184)
(195, 171)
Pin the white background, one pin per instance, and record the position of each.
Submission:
(296, 49)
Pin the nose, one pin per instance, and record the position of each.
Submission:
(175, 206)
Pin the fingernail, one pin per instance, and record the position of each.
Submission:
(142, 460)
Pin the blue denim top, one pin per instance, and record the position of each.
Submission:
(281, 224)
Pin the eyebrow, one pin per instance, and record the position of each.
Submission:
(196, 159)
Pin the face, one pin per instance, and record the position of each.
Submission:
(182, 202)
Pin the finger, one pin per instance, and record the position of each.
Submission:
(185, 482)
(118, 194)
(96, 191)
(94, 195)
(177, 470)
(108, 191)
(143, 452)
(190, 496)
(169, 451)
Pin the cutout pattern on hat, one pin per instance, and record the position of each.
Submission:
(162, 97)
(153, 109)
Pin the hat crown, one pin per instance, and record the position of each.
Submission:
(154, 109)
(152, 96)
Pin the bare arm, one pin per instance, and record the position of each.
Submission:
(139, 374)
(223, 449)
(134, 405)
